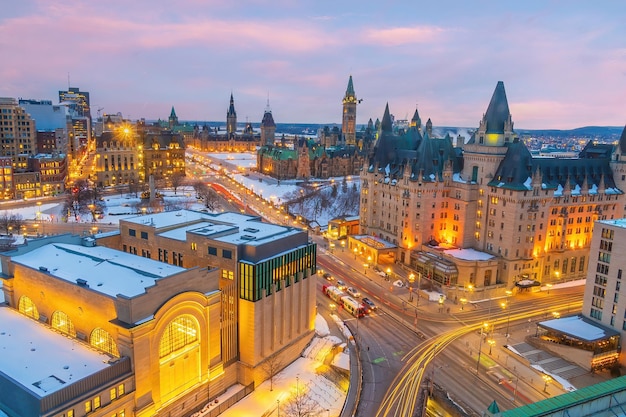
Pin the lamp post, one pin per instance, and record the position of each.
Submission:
(463, 301)
(277, 408)
(491, 343)
(480, 347)
(547, 379)
(388, 273)
(355, 252)
(548, 285)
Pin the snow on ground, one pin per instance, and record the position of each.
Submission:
(299, 377)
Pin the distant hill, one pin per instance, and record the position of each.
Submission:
(591, 132)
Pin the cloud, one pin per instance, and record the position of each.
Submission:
(403, 35)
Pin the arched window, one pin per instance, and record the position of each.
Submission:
(28, 308)
(62, 323)
(102, 340)
(182, 331)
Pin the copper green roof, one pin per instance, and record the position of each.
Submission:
(561, 403)
(173, 113)
(350, 89)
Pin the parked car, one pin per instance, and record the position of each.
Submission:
(328, 277)
(369, 304)
(353, 292)
(341, 285)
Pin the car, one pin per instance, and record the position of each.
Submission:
(328, 277)
(341, 285)
(354, 292)
(369, 303)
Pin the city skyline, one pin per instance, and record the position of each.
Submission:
(562, 63)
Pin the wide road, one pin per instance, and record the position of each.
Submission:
(402, 343)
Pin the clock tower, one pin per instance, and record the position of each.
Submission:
(348, 125)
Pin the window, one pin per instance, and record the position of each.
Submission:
(28, 308)
(102, 340)
(194, 246)
(62, 323)
(88, 406)
(70, 413)
(226, 274)
(132, 232)
(182, 331)
(113, 393)
(212, 251)
(120, 390)
(144, 235)
(96, 402)
(226, 253)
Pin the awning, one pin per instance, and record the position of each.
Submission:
(526, 283)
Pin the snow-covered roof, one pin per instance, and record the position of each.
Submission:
(41, 360)
(107, 271)
(468, 254)
(617, 223)
(256, 233)
(579, 327)
(168, 218)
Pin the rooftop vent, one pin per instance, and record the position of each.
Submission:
(43, 269)
(250, 230)
(82, 282)
(247, 237)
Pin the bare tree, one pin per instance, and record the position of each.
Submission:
(271, 367)
(301, 404)
(83, 198)
(205, 193)
(5, 222)
(177, 179)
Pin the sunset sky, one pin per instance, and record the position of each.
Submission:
(563, 63)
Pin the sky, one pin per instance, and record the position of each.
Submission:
(563, 62)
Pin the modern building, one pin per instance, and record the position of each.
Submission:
(18, 134)
(532, 216)
(221, 296)
(605, 301)
(79, 109)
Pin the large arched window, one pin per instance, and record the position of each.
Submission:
(179, 354)
(62, 323)
(28, 308)
(102, 340)
(182, 331)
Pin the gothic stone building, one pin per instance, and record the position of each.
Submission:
(486, 215)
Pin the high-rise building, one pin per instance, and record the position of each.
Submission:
(487, 215)
(18, 134)
(605, 300)
(77, 103)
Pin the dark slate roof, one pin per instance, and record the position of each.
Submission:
(498, 111)
(422, 157)
(386, 125)
(163, 139)
(231, 108)
(622, 141)
(586, 171)
(268, 119)
(600, 150)
(173, 113)
(416, 117)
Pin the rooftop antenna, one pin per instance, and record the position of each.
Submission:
(68, 81)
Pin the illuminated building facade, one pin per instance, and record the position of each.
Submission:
(532, 216)
(18, 135)
(211, 139)
(266, 279)
(110, 332)
(80, 112)
(604, 300)
(118, 157)
(52, 169)
(163, 155)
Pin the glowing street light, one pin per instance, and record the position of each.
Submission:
(355, 252)
(547, 379)
(491, 343)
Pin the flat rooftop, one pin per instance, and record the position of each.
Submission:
(618, 223)
(107, 271)
(227, 227)
(40, 359)
(579, 327)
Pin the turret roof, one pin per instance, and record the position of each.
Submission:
(498, 111)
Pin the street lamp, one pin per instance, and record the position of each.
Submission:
(463, 301)
(343, 245)
(548, 285)
(547, 379)
(355, 252)
(480, 346)
(491, 343)
(388, 273)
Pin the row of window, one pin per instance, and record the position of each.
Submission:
(99, 338)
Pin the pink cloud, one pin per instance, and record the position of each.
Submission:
(403, 35)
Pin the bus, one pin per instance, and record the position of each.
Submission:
(352, 306)
(333, 292)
